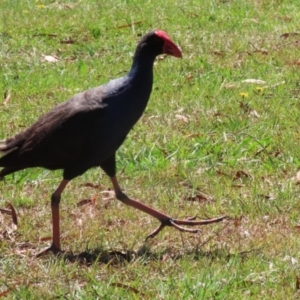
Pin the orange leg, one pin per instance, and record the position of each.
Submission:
(55, 199)
(163, 218)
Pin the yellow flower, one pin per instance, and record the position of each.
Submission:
(244, 95)
(40, 6)
(259, 89)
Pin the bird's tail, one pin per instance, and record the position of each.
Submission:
(4, 149)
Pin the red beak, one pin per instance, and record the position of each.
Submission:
(171, 49)
(169, 46)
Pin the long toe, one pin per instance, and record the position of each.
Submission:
(189, 222)
(193, 222)
(56, 251)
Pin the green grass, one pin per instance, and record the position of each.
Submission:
(204, 131)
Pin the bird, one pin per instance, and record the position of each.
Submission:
(87, 130)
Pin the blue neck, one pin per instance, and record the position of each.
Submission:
(142, 68)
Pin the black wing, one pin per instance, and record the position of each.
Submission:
(59, 138)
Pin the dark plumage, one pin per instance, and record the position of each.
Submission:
(92, 125)
(87, 130)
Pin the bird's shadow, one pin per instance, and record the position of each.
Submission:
(145, 255)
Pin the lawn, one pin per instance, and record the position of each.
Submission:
(220, 136)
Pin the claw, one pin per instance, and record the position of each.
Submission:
(189, 221)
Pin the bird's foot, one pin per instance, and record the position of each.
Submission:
(54, 249)
(189, 221)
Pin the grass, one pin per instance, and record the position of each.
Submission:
(208, 144)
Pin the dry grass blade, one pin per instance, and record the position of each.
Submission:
(5, 211)
(7, 98)
(241, 174)
(297, 283)
(51, 35)
(86, 201)
(13, 214)
(182, 118)
(51, 58)
(46, 239)
(289, 34)
(129, 288)
(217, 233)
(255, 81)
(130, 24)
(298, 177)
(4, 293)
(89, 184)
(200, 197)
(68, 41)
